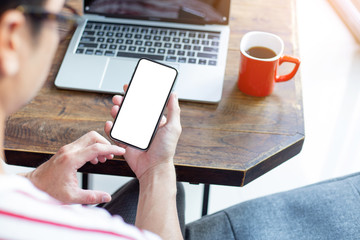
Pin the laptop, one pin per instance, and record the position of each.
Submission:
(190, 35)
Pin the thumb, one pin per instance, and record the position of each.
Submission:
(92, 197)
(173, 114)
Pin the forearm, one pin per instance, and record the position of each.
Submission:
(157, 203)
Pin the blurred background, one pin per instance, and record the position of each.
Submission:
(331, 95)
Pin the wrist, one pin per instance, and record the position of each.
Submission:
(157, 201)
(162, 174)
(32, 177)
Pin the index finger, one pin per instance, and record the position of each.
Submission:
(97, 150)
(88, 139)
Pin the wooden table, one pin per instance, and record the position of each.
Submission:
(230, 143)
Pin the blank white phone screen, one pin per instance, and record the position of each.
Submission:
(143, 104)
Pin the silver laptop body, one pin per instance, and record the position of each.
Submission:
(197, 51)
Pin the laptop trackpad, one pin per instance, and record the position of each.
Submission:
(117, 73)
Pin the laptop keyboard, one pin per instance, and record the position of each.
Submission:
(162, 44)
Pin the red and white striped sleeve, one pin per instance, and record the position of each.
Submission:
(28, 213)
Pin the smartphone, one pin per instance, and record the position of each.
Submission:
(143, 104)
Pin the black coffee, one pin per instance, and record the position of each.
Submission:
(261, 52)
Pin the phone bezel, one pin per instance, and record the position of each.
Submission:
(162, 111)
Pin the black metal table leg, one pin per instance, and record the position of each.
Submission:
(205, 199)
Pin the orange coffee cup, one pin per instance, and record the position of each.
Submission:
(258, 71)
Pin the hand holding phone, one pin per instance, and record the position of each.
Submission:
(143, 104)
(155, 167)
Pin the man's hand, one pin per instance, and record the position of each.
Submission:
(58, 177)
(156, 173)
(162, 149)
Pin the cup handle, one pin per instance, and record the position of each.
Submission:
(289, 76)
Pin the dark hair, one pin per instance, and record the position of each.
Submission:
(6, 5)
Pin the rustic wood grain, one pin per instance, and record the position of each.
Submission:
(230, 143)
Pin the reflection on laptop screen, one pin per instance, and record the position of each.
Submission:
(183, 11)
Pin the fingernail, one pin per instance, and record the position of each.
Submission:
(106, 198)
(122, 150)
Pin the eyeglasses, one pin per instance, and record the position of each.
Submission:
(66, 20)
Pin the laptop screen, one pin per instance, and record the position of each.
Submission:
(181, 11)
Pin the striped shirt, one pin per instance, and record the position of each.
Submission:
(28, 213)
